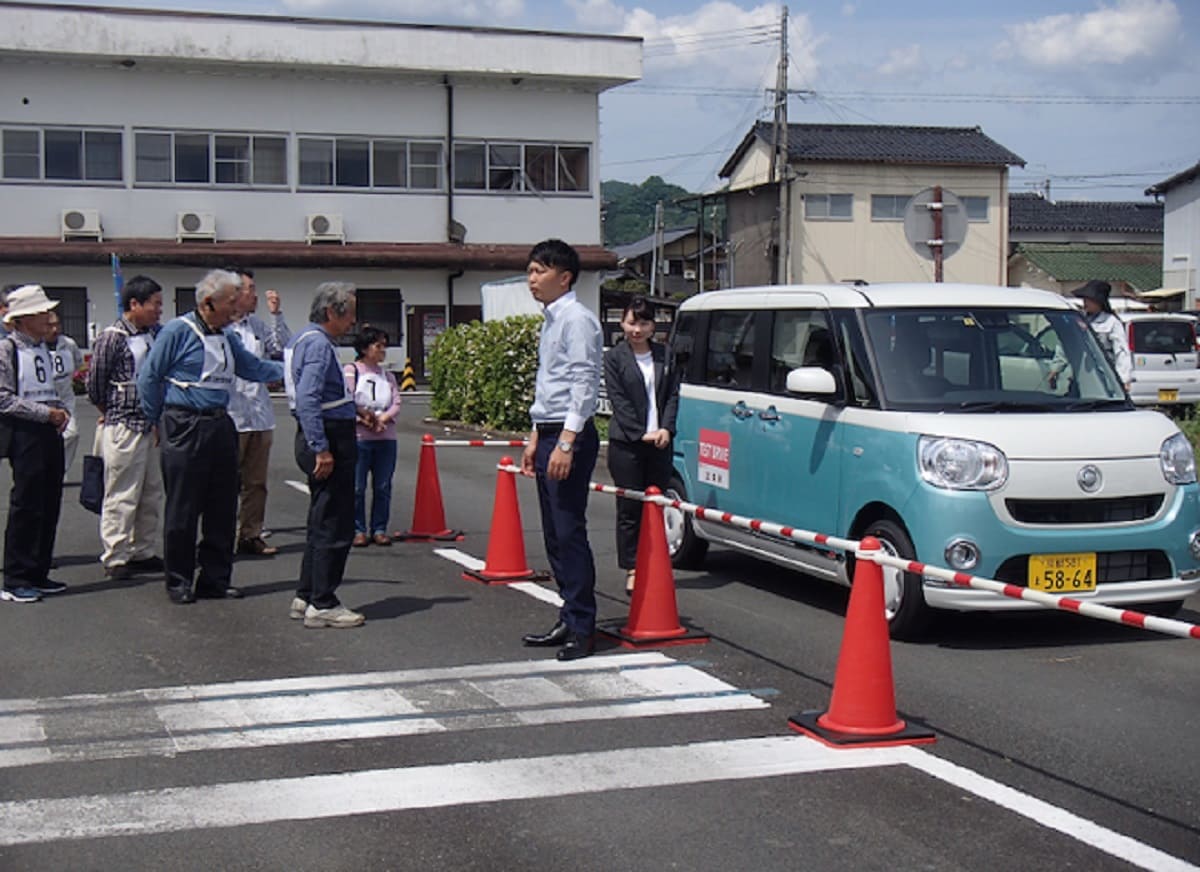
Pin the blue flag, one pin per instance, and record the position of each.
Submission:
(118, 281)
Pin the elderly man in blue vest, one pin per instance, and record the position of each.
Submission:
(184, 388)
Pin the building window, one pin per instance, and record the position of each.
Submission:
(197, 158)
(888, 207)
(507, 167)
(185, 300)
(344, 162)
(828, 207)
(383, 309)
(976, 207)
(72, 311)
(61, 154)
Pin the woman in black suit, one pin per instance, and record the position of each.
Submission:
(644, 393)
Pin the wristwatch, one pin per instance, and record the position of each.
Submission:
(564, 446)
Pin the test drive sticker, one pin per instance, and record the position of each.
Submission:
(713, 463)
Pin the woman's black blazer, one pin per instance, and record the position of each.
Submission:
(627, 391)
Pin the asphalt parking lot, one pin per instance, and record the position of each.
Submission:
(144, 735)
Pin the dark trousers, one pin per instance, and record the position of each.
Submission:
(36, 455)
(330, 515)
(635, 465)
(199, 453)
(564, 528)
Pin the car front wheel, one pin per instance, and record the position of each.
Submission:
(686, 548)
(903, 599)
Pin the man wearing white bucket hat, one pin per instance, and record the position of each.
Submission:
(32, 419)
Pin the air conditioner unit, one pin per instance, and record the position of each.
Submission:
(324, 227)
(195, 225)
(81, 224)
(689, 275)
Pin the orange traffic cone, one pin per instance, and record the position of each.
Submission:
(862, 710)
(506, 542)
(653, 615)
(429, 518)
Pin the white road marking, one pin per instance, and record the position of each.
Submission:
(298, 485)
(383, 790)
(1050, 816)
(247, 714)
(469, 561)
(463, 559)
(313, 797)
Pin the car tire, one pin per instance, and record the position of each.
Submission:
(904, 600)
(687, 549)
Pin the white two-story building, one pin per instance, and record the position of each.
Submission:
(417, 161)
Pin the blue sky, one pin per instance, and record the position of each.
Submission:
(1101, 99)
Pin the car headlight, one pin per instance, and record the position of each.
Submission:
(961, 464)
(1177, 460)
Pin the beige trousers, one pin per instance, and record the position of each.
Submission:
(254, 451)
(133, 494)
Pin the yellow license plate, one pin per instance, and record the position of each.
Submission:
(1168, 395)
(1062, 573)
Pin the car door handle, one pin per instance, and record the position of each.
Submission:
(741, 411)
(769, 414)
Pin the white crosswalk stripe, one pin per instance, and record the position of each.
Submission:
(173, 720)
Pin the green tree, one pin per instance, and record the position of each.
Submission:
(629, 209)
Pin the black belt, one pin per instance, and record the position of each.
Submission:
(556, 426)
(214, 412)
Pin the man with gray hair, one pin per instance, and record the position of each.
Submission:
(326, 452)
(185, 382)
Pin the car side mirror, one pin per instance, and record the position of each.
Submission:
(811, 380)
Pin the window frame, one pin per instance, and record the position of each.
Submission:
(973, 198)
(489, 179)
(898, 204)
(412, 169)
(87, 141)
(254, 143)
(811, 214)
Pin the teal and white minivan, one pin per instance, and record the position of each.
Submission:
(977, 428)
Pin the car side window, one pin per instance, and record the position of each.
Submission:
(859, 381)
(799, 337)
(730, 359)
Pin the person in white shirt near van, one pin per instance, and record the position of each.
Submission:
(1109, 329)
(644, 394)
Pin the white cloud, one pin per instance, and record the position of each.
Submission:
(848, 9)
(1129, 30)
(600, 14)
(478, 11)
(904, 61)
(720, 42)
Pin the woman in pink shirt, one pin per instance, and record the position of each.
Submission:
(377, 400)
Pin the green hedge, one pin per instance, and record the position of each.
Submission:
(483, 373)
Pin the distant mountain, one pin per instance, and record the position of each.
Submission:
(629, 209)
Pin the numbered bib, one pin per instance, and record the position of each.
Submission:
(252, 343)
(63, 365)
(36, 382)
(373, 391)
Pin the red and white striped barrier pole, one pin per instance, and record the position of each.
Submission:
(479, 443)
(1168, 626)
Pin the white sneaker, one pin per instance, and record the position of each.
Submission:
(338, 617)
(296, 609)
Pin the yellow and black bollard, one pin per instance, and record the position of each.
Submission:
(408, 380)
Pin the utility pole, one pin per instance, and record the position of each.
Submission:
(658, 236)
(779, 154)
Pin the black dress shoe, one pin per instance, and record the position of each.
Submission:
(557, 635)
(230, 592)
(181, 595)
(577, 647)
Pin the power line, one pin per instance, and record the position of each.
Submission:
(919, 97)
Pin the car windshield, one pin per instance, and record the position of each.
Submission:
(1147, 336)
(982, 360)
